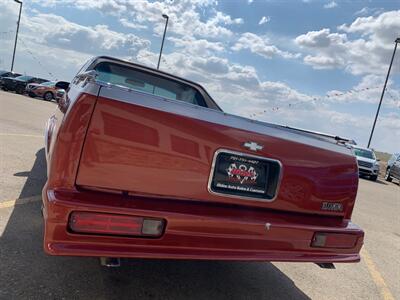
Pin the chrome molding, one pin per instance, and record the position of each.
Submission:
(246, 155)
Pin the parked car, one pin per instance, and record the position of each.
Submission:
(8, 74)
(145, 164)
(393, 168)
(30, 86)
(18, 84)
(368, 164)
(4, 74)
(46, 90)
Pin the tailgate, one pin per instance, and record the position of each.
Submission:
(142, 144)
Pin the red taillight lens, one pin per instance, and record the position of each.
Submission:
(101, 223)
(334, 240)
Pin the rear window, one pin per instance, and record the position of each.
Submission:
(149, 83)
(40, 80)
(24, 78)
(49, 83)
(62, 85)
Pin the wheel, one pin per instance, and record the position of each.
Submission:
(373, 177)
(387, 175)
(48, 96)
(19, 90)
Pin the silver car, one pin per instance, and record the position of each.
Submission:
(368, 164)
(393, 168)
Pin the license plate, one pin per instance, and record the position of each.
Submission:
(244, 175)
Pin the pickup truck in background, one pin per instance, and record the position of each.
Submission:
(368, 163)
(144, 164)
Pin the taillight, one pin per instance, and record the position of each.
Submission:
(111, 224)
(334, 240)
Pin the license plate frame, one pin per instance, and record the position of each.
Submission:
(246, 176)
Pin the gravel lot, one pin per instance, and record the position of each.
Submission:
(27, 273)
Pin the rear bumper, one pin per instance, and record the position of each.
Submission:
(368, 171)
(193, 231)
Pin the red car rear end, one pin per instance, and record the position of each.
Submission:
(136, 171)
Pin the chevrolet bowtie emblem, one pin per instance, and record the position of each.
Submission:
(253, 146)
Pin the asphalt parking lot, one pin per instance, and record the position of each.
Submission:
(27, 273)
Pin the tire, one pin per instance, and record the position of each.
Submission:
(48, 96)
(387, 175)
(373, 177)
(19, 90)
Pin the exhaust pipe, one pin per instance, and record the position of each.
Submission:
(326, 265)
(110, 262)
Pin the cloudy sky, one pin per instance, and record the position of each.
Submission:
(312, 64)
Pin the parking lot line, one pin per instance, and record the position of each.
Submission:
(22, 135)
(11, 203)
(376, 276)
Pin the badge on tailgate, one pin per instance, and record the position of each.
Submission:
(243, 175)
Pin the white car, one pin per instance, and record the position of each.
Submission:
(368, 164)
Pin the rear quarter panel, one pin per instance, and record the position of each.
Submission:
(66, 131)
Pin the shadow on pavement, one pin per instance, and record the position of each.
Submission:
(26, 272)
(378, 180)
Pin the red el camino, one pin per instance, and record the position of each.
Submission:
(144, 164)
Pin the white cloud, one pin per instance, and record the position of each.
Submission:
(331, 4)
(391, 121)
(264, 19)
(58, 32)
(213, 65)
(368, 90)
(194, 46)
(221, 18)
(320, 62)
(320, 39)
(368, 11)
(383, 28)
(126, 23)
(260, 46)
(50, 43)
(112, 7)
(367, 50)
(184, 15)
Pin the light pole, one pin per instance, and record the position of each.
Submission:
(383, 91)
(16, 34)
(162, 43)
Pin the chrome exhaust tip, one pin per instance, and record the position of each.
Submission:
(110, 262)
